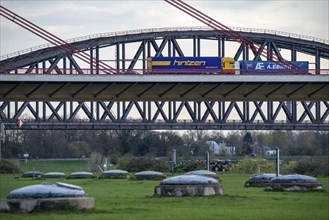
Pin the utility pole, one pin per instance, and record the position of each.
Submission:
(173, 161)
(277, 162)
(2, 130)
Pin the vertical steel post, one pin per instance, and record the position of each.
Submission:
(223, 47)
(173, 161)
(117, 55)
(64, 65)
(2, 130)
(317, 62)
(199, 47)
(194, 46)
(44, 111)
(219, 51)
(318, 112)
(91, 60)
(97, 59)
(207, 160)
(169, 47)
(277, 162)
(144, 58)
(293, 53)
(123, 52)
(65, 116)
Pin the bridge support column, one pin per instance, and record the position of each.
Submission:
(196, 46)
(317, 62)
(293, 53)
(270, 112)
(246, 111)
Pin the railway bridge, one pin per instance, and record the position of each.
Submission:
(53, 88)
(49, 88)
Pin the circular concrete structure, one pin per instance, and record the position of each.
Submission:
(33, 174)
(260, 180)
(294, 182)
(189, 185)
(205, 173)
(114, 174)
(47, 190)
(81, 175)
(54, 175)
(46, 196)
(149, 175)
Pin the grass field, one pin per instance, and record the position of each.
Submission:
(128, 199)
(64, 166)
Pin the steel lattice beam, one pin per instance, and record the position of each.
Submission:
(53, 60)
(255, 115)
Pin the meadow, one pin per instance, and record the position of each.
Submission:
(131, 199)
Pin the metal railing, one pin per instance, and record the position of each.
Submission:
(88, 71)
(166, 29)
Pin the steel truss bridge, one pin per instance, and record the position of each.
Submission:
(168, 115)
(128, 50)
(286, 104)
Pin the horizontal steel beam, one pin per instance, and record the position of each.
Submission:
(174, 115)
(168, 126)
(163, 87)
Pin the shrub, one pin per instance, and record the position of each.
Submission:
(313, 166)
(308, 166)
(136, 164)
(253, 165)
(7, 166)
(190, 165)
(96, 159)
(123, 161)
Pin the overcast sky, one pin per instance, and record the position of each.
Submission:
(70, 19)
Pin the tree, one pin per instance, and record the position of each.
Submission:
(321, 143)
(79, 149)
(246, 144)
(170, 141)
(235, 138)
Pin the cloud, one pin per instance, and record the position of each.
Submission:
(69, 19)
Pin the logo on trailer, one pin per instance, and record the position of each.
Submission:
(189, 63)
(249, 66)
(269, 66)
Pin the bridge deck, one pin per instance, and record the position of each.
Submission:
(163, 87)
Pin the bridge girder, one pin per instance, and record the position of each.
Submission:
(167, 115)
(157, 43)
(129, 51)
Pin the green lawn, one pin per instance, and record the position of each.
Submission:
(65, 166)
(128, 199)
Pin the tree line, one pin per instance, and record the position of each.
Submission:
(116, 143)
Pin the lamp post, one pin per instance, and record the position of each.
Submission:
(207, 161)
(2, 130)
(277, 162)
(173, 161)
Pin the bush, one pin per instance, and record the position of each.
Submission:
(313, 166)
(253, 165)
(96, 159)
(7, 166)
(136, 164)
(190, 165)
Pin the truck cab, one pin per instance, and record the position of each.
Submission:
(228, 65)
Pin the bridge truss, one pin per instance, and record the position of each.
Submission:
(167, 115)
(128, 52)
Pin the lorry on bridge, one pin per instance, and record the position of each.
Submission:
(222, 65)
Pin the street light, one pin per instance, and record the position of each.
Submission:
(2, 130)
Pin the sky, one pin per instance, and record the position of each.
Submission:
(70, 19)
